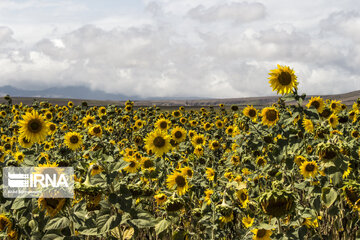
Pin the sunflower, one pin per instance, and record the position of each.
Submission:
(270, 116)
(243, 196)
(5, 222)
(207, 126)
(96, 130)
(250, 112)
(160, 198)
(24, 142)
(187, 171)
(299, 160)
(261, 234)
(33, 127)
(214, 145)
(309, 169)
(95, 169)
(52, 128)
(355, 134)
(261, 161)
(73, 140)
(226, 212)
(102, 111)
(158, 142)
(335, 106)
(88, 120)
(198, 139)
(333, 120)
(3, 153)
(146, 163)
(178, 134)
(179, 180)
(133, 166)
(283, 79)
(219, 124)
(210, 174)
(247, 221)
(199, 150)
(308, 125)
(51, 205)
(163, 124)
(19, 157)
(48, 116)
(235, 159)
(176, 114)
(317, 103)
(208, 193)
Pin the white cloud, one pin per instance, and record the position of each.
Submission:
(206, 48)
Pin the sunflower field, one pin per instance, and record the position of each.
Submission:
(286, 171)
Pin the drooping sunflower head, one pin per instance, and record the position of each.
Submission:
(270, 116)
(277, 202)
(226, 212)
(160, 198)
(283, 80)
(33, 127)
(351, 192)
(51, 205)
(73, 140)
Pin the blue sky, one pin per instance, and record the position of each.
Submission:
(182, 48)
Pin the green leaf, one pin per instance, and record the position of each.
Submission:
(18, 203)
(107, 222)
(57, 223)
(162, 226)
(179, 235)
(328, 196)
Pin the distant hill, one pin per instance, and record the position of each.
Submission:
(62, 95)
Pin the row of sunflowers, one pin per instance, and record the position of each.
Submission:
(284, 171)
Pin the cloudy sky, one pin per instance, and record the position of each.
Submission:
(179, 48)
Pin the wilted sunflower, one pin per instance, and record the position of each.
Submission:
(158, 142)
(178, 134)
(226, 212)
(333, 120)
(210, 174)
(317, 103)
(160, 198)
(283, 79)
(73, 140)
(247, 221)
(243, 196)
(33, 127)
(250, 112)
(308, 125)
(261, 234)
(51, 205)
(163, 124)
(179, 180)
(309, 169)
(270, 116)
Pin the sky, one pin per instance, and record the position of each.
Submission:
(180, 48)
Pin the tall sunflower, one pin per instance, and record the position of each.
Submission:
(33, 127)
(283, 79)
(270, 116)
(317, 103)
(178, 134)
(309, 169)
(179, 180)
(158, 142)
(250, 112)
(73, 140)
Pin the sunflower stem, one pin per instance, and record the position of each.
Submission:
(279, 226)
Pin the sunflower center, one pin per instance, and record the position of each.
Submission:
(315, 104)
(252, 113)
(261, 233)
(199, 140)
(52, 127)
(90, 121)
(356, 134)
(243, 196)
(132, 164)
(34, 126)
(97, 130)
(159, 142)
(180, 181)
(215, 144)
(331, 120)
(284, 78)
(189, 173)
(148, 164)
(271, 115)
(163, 125)
(309, 167)
(74, 139)
(178, 134)
(52, 202)
(333, 106)
(230, 130)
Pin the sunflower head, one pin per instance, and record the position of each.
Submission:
(317, 103)
(261, 234)
(270, 116)
(309, 169)
(283, 80)
(277, 203)
(51, 205)
(158, 142)
(327, 151)
(73, 140)
(33, 127)
(178, 180)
